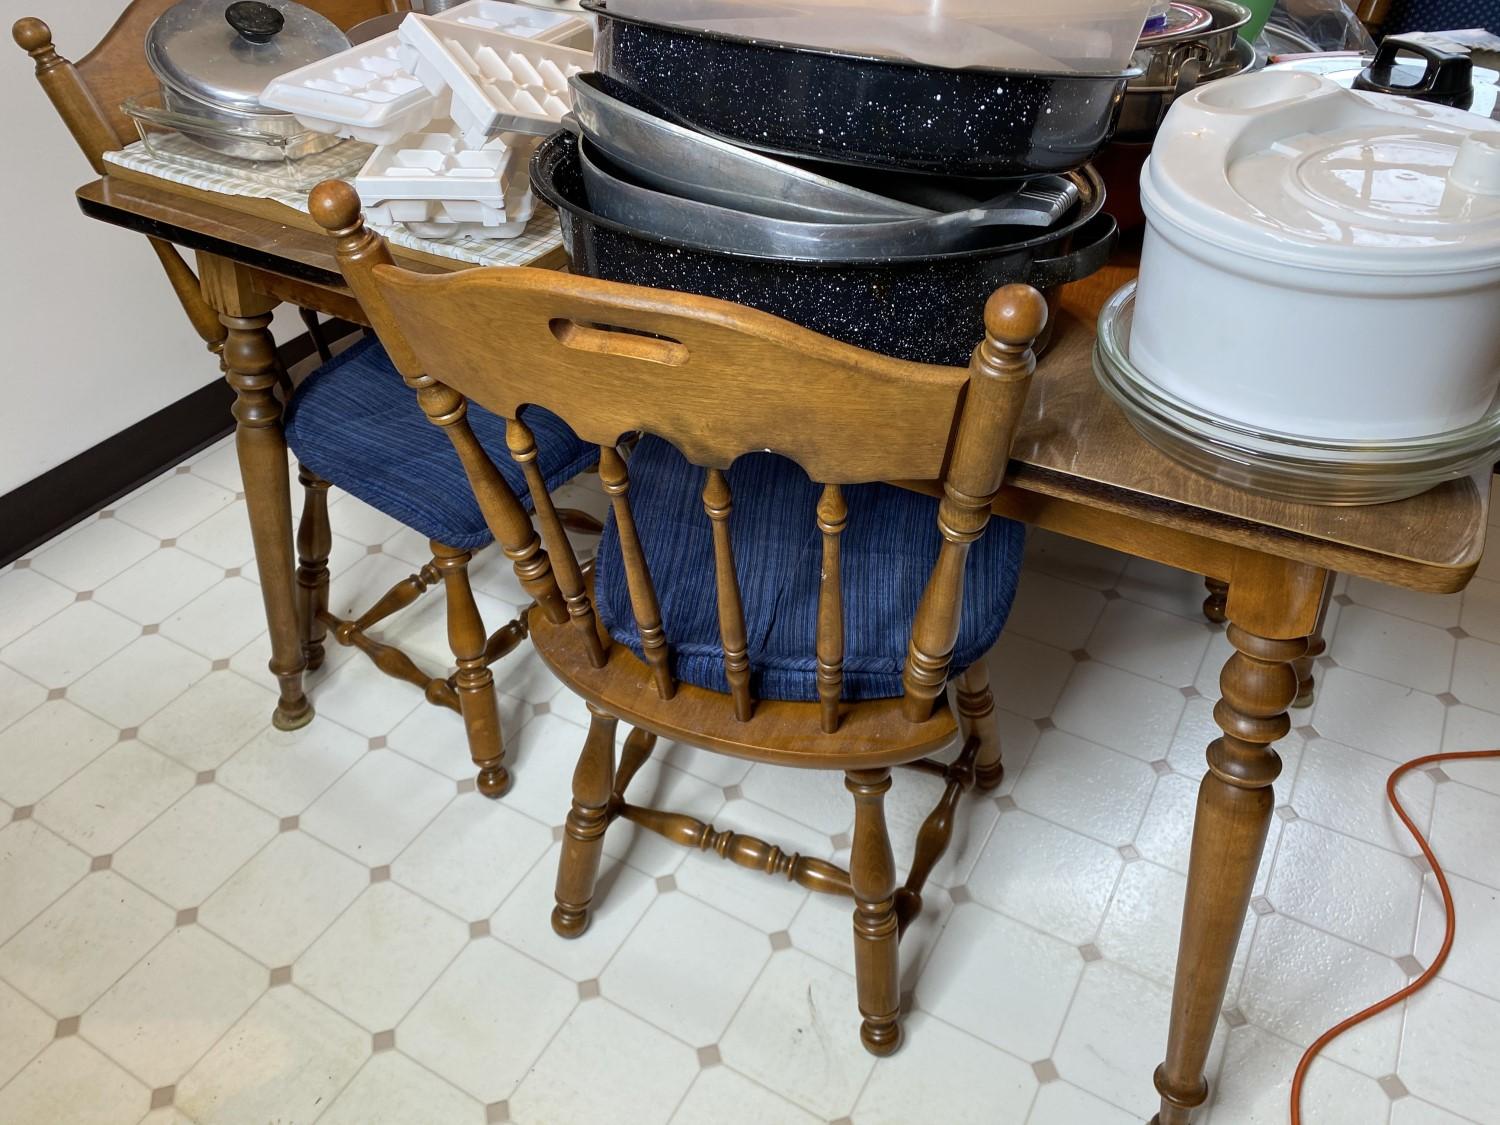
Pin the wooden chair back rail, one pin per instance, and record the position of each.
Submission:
(717, 381)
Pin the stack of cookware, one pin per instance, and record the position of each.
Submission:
(877, 200)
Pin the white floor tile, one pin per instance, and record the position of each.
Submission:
(46, 747)
(84, 942)
(174, 504)
(913, 797)
(276, 905)
(487, 1018)
(1073, 559)
(72, 1082)
(716, 769)
(1256, 1080)
(823, 929)
(1347, 887)
(285, 771)
(434, 737)
(1026, 676)
(138, 681)
(664, 787)
(798, 1032)
(1063, 884)
(220, 465)
(375, 809)
(207, 723)
(162, 1015)
(1302, 981)
(1165, 588)
(688, 988)
(24, 1030)
(1166, 835)
(1450, 1049)
(1441, 610)
(1471, 962)
(1060, 1103)
(19, 695)
(36, 867)
(219, 623)
(720, 1095)
(1414, 1111)
(1016, 1000)
(223, 539)
(392, 1090)
(114, 797)
(186, 853)
(1463, 831)
(1144, 922)
(159, 585)
(1393, 648)
(816, 798)
(1376, 716)
(941, 1074)
(94, 554)
(1344, 789)
(380, 955)
(1115, 1035)
(1150, 642)
(1120, 710)
(70, 643)
(471, 856)
(1471, 729)
(1054, 611)
(27, 598)
(523, 675)
(1086, 787)
(634, 1072)
(284, 1061)
(621, 895)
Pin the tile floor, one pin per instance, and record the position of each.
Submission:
(203, 919)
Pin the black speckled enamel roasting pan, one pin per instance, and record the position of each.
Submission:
(928, 309)
(857, 110)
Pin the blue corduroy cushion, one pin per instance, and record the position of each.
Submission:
(888, 548)
(356, 423)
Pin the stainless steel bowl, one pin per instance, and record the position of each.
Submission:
(1163, 57)
(1144, 106)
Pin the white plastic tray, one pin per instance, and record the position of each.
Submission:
(429, 179)
(500, 83)
(368, 92)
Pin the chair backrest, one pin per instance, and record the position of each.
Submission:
(716, 380)
(87, 96)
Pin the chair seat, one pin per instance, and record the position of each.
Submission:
(357, 424)
(888, 548)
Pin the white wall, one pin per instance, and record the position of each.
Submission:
(94, 339)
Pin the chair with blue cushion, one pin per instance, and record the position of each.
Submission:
(758, 591)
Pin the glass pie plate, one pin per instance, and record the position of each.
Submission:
(1284, 466)
(292, 161)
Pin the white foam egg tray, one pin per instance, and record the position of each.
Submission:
(439, 188)
(500, 82)
(369, 92)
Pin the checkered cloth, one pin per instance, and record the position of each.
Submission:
(238, 177)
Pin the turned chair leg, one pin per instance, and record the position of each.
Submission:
(877, 937)
(475, 683)
(583, 843)
(1217, 600)
(314, 542)
(976, 719)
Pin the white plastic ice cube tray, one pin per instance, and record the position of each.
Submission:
(500, 83)
(430, 179)
(369, 93)
(570, 29)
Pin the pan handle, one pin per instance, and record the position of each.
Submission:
(1091, 248)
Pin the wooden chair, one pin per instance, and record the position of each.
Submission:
(410, 476)
(720, 384)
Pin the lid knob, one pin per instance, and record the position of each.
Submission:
(255, 21)
(1476, 165)
(1446, 77)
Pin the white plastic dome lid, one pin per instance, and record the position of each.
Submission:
(1290, 167)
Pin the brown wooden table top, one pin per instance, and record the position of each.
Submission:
(1075, 448)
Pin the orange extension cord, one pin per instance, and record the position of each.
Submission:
(1437, 962)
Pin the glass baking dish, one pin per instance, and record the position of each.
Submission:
(289, 160)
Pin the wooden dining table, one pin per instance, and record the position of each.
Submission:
(1078, 468)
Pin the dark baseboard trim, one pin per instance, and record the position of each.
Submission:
(97, 477)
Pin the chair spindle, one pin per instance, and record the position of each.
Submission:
(522, 446)
(718, 503)
(616, 481)
(833, 515)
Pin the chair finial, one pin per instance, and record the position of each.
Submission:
(1015, 315)
(31, 34)
(334, 205)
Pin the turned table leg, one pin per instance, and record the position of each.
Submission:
(1316, 647)
(1272, 608)
(1218, 597)
(252, 369)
